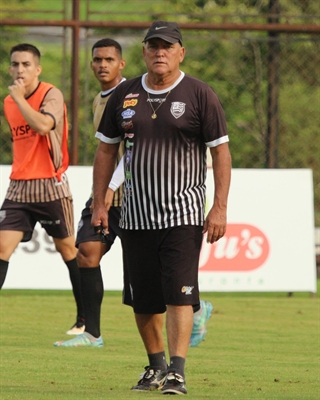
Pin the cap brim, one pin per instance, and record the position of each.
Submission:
(163, 37)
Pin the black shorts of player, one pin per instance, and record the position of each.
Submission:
(163, 267)
(56, 217)
(86, 233)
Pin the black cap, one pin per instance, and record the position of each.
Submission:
(168, 31)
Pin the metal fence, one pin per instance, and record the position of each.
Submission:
(268, 85)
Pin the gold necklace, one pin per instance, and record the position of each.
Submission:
(154, 115)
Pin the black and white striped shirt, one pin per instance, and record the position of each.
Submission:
(165, 157)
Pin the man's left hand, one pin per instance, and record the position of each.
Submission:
(215, 224)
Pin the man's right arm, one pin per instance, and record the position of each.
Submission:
(103, 168)
(42, 123)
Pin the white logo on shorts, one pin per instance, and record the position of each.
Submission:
(187, 289)
(80, 225)
(177, 109)
(2, 215)
(44, 222)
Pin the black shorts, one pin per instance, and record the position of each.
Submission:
(56, 217)
(86, 232)
(163, 267)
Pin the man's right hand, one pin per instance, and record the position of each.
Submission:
(100, 218)
(17, 90)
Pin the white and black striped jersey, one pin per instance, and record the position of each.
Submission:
(165, 157)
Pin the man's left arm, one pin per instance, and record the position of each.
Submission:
(216, 221)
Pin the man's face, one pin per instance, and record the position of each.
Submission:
(106, 65)
(162, 57)
(25, 66)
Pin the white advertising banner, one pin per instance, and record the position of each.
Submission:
(268, 246)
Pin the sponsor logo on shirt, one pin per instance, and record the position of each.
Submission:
(177, 109)
(129, 135)
(128, 103)
(131, 95)
(128, 113)
(22, 130)
(156, 100)
(128, 188)
(187, 289)
(127, 125)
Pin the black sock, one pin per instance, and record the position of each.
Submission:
(75, 279)
(92, 292)
(3, 271)
(158, 361)
(177, 365)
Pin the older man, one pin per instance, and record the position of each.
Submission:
(167, 119)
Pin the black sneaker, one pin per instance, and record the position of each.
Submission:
(174, 384)
(152, 379)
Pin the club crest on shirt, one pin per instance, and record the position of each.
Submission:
(177, 109)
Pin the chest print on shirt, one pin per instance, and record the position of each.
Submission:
(177, 109)
(127, 125)
(127, 113)
(131, 95)
(130, 103)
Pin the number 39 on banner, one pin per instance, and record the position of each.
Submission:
(39, 241)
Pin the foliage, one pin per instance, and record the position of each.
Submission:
(10, 36)
(245, 7)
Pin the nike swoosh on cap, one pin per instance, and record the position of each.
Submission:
(160, 27)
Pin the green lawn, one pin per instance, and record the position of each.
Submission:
(258, 346)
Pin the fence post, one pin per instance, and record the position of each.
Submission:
(273, 88)
(74, 101)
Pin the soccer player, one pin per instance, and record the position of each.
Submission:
(39, 190)
(167, 119)
(107, 65)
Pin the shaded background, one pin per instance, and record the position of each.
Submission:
(261, 57)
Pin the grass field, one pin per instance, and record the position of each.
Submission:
(258, 346)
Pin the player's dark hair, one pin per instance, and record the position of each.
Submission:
(108, 43)
(26, 47)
